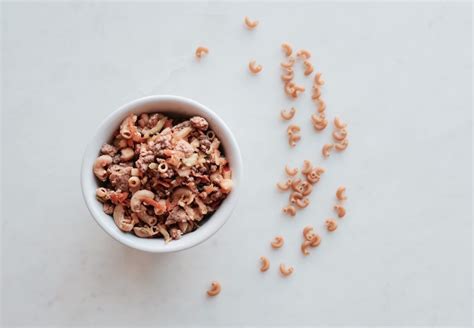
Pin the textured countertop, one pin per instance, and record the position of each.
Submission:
(399, 74)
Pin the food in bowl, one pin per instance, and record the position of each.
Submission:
(161, 177)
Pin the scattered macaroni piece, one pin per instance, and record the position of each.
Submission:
(315, 241)
(289, 210)
(339, 135)
(289, 63)
(254, 68)
(250, 24)
(200, 51)
(215, 289)
(283, 186)
(308, 68)
(331, 225)
(307, 167)
(340, 210)
(287, 49)
(304, 247)
(305, 54)
(265, 264)
(321, 106)
(339, 124)
(288, 76)
(318, 80)
(288, 115)
(291, 171)
(286, 271)
(340, 146)
(327, 149)
(278, 242)
(341, 193)
(293, 139)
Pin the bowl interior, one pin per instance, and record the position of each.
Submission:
(176, 106)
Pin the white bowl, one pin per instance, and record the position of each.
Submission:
(167, 104)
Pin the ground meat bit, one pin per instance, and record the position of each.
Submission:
(152, 120)
(205, 145)
(175, 233)
(199, 123)
(185, 147)
(108, 149)
(145, 157)
(176, 215)
(119, 176)
(108, 208)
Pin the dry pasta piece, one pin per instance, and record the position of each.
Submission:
(288, 64)
(303, 53)
(340, 210)
(308, 233)
(288, 76)
(287, 48)
(316, 93)
(250, 24)
(286, 271)
(315, 241)
(307, 167)
(339, 135)
(215, 289)
(340, 146)
(339, 124)
(321, 106)
(295, 196)
(319, 122)
(318, 80)
(327, 149)
(283, 186)
(293, 140)
(278, 242)
(288, 115)
(331, 225)
(295, 183)
(289, 210)
(292, 129)
(289, 88)
(200, 51)
(308, 68)
(265, 264)
(305, 188)
(291, 171)
(302, 203)
(299, 88)
(254, 68)
(304, 247)
(341, 193)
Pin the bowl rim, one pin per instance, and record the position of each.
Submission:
(220, 217)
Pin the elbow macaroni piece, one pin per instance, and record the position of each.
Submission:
(286, 271)
(265, 264)
(304, 247)
(291, 171)
(138, 197)
(99, 166)
(318, 80)
(250, 24)
(120, 220)
(289, 63)
(327, 149)
(215, 289)
(331, 225)
(254, 68)
(287, 49)
(308, 68)
(283, 186)
(200, 51)
(289, 210)
(321, 106)
(339, 124)
(303, 53)
(339, 135)
(340, 146)
(307, 167)
(288, 115)
(278, 242)
(340, 210)
(341, 193)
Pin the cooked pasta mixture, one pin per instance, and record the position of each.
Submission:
(160, 177)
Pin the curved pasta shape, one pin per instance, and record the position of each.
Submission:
(278, 242)
(305, 188)
(138, 197)
(326, 150)
(304, 247)
(287, 77)
(339, 135)
(292, 129)
(339, 124)
(316, 93)
(295, 183)
(340, 146)
(288, 114)
(201, 51)
(299, 88)
(341, 193)
(286, 271)
(100, 164)
(320, 126)
(288, 64)
(145, 232)
(302, 203)
(307, 167)
(294, 196)
(287, 48)
(318, 80)
(250, 24)
(293, 139)
(340, 210)
(134, 182)
(120, 220)
(291, 171)
(215, 289)
(145, 217)
(254, 68)
(283, 186)
(289, 88)
(315, 241)
(308, 233)
(303, 53)
(308, 68)
(265, 264)
(321, 106)
(289, 210)
(314, 175)
(331, 225)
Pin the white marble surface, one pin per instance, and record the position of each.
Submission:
(400, 74)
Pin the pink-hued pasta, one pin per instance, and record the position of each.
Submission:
(327, 149)
(254, 68)
(215, 289)
(308, 68)
(319, 122)
(316, 93)
(100, 165)
(283, 186)
(340, 146)
(288, 64)
(318, 80)
(302, 203)
(299, 88)
(339, 124)
(314, 175)
(288, 114)
(307, 167)
(304, 187)
(250, 24)
(286, 271)
(294, 196)
(308, 233)
(278, 242)
(123, 223)
(315, 240)
(295, 183)
(321, 106)
(339, 135)
(292, 129)
(331, 225)
(288, 76)
(201, 51)
(265, 264)
(287, 48)
(134, 182)
(341, 193)
(290, 88)
(340, 210)
(293, 139)
(304, 247)
(303, 53)
(289, 210)
(291, 171)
